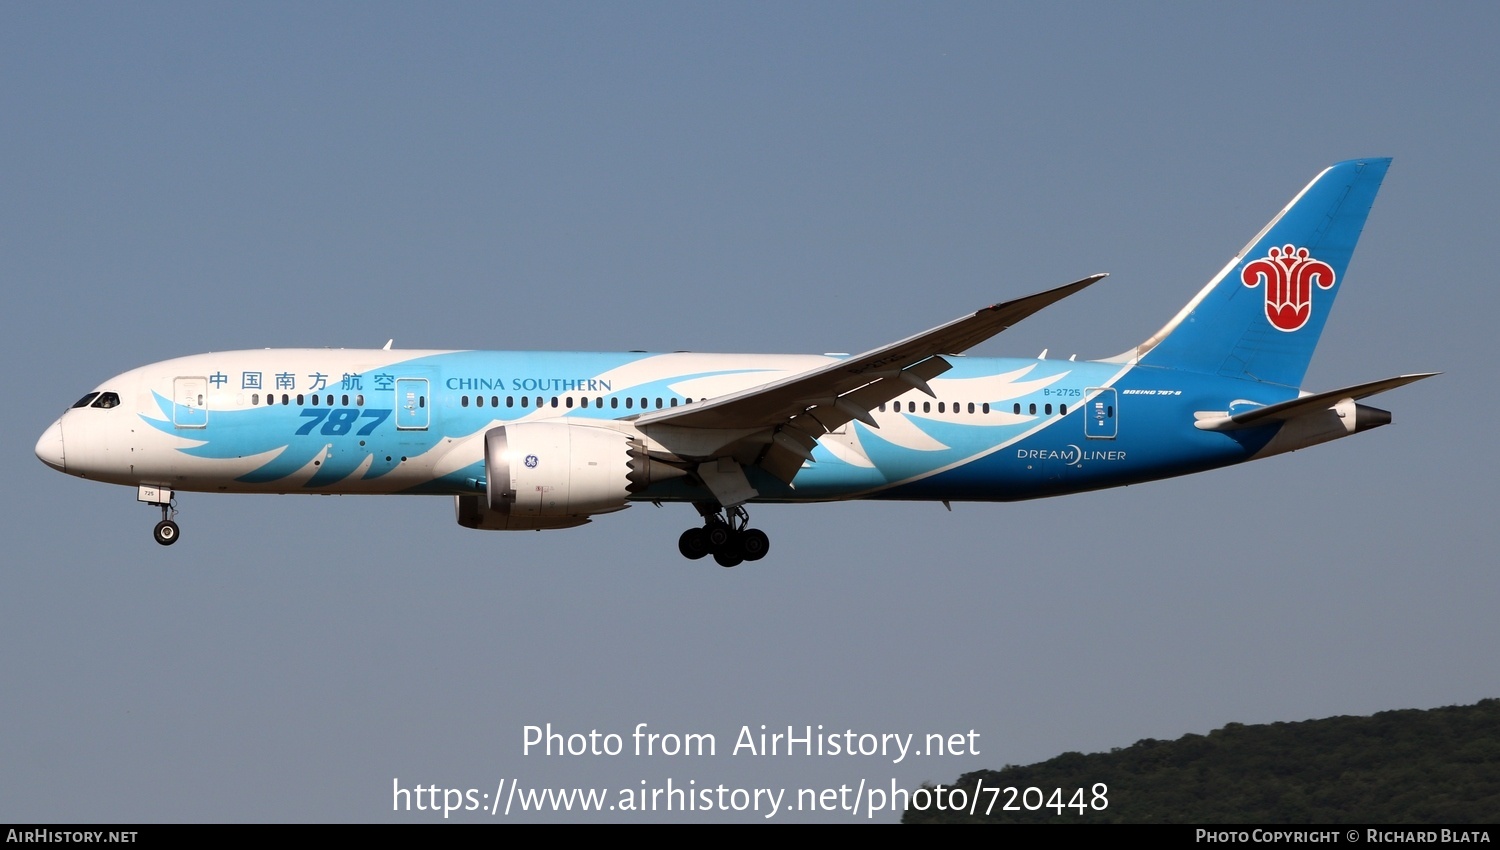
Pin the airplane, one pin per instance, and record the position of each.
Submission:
(547, 440)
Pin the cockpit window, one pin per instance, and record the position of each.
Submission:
(106, 400)
(84, 402)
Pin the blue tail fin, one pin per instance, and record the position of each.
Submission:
(1260, 318)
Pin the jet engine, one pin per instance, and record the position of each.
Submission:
(474, 512)
(539, 472)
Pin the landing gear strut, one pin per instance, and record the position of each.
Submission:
(725, 535)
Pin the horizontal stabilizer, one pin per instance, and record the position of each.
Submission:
(1218, 421)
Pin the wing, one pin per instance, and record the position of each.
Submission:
(776, 425)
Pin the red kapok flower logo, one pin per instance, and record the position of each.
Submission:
(1289, 273)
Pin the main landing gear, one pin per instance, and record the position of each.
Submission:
(725, 536)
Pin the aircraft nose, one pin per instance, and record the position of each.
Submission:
(49, 449)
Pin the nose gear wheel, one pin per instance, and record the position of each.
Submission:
(166, 531)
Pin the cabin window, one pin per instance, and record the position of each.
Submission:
(1063, 409)
(510, 401)
(523, 401)
(359, 400)
(926, 407)
(1049, 410)
(1031, 409)
(674, 402)
(570, 403)
(314, 400)
(986, 407)
(255, 398)
(941, 408)
(1018, 407)
(344, 400)
(614, 402)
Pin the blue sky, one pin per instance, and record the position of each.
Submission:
(179, 178)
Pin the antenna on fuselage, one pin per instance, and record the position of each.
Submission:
(387, 346)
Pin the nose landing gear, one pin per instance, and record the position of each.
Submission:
(725, 535)
(166, 531)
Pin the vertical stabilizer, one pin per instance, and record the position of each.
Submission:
(1261, 316)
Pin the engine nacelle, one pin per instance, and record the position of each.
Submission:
(559, 469)
(474, 512)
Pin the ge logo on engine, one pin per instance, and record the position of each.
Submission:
(531, 461)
